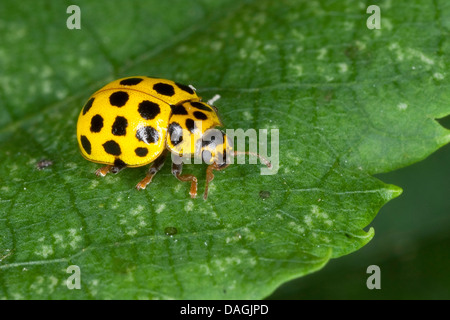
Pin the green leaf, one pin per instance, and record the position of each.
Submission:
(348, 101)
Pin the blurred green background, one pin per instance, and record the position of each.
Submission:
(411, 243)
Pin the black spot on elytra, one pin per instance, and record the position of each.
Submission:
(141, 152)
(175, 133)
(118, 98)
(190, 125)
(185, 88)
(200, 115)
(96, 123)
(178, 109)
(147, 134)
(118, 165)
(131, 81)
(119, 127)
(164, 89)
(88, 105)
(86, 144)
(207, 141)
(148, 110)
(201, 106)
(112, 148)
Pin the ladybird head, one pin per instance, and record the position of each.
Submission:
(216, 147)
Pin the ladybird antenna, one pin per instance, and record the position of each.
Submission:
(213, 99)
(261, 158)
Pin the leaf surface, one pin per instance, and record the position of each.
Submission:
(348, 102)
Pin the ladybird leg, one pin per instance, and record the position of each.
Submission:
(155, 167)
(210, 175)
(176, 171)
(103, 171)
(116, 168)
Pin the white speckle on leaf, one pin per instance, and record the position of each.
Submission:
(177, 187)
(71, 165)
(413, 53)
(269, 47)
(402, 106)
(46, 71)
(137, 210)
(94, 184)
(386, 24)
(17, 296)
(60, 94)
(46, 251)
(308, 220)
(160, 208)
(247, 116)
(296, 227)
(59, 240)
(297, 69)
(206, 269)
(46, 86)
(425, 59)
(216, 45)
(182, 49)
(142, 222)
(297, 35)
(93, 286)
(132, 232)
(349, 25)
(233, 260)
(247, 234)
(53, 282)
(395, 47)
(343, 67)
(189, 206)
(219, 264)
(360, 45)
(322, 53)
(37, 285)
(234, 238)
(438, 76)
(75, 238)
(85, 63)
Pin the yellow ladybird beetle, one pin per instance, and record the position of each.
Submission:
(135, 121)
